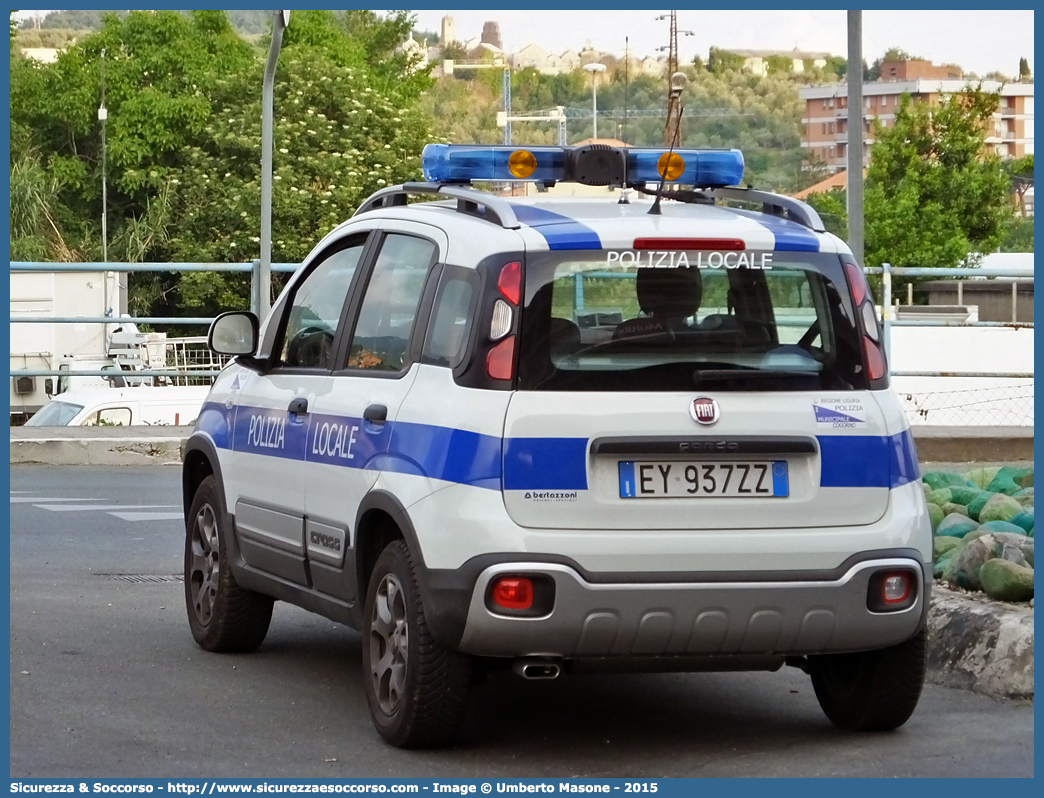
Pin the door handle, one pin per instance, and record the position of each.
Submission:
(298, 406)
(376, 414)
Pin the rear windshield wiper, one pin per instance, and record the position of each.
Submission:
(740, 373)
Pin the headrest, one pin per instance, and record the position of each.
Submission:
(670, 293)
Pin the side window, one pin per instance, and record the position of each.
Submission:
(110, 417)
(447, 332)
(315, 310)
(389, 307)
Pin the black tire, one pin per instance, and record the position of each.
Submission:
(417, 690)
(871, 690)
(223, 616)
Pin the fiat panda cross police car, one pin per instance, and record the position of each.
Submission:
(630, 433)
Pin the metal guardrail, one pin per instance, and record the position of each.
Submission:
(886, 271)
(257, 286)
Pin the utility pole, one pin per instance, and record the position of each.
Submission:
(279, 22)
(103, 115)
(672, 130)
(854, 193)
(507, 103)
(627, 67)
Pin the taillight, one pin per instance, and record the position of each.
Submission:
(875, 364)
(510, 282)
(891, 591)
(858, 283)
(513, 593)
(895, 588)
(862, 301)
(501, 322)
(500, 360)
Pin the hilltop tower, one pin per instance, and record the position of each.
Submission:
(449, 32)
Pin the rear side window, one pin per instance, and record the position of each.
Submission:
(110, 417)
(389, 307)
(447, 332)
(648, 321)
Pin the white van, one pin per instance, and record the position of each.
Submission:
(122, 407)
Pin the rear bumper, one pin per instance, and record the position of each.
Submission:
(693, 619)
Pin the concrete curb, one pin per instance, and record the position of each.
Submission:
(114, 446)
(980, 645)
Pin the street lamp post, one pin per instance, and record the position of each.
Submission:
(263, 301)
(595, 68)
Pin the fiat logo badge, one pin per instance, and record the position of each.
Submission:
(704, 410)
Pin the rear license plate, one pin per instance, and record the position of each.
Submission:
(747, 480)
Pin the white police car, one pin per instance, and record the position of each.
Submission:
(567, 436)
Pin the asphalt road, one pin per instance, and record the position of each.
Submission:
(107, 681)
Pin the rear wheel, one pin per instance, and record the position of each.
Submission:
(871, 690)
(417, 690)
(223, 616)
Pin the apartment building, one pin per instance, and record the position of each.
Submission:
(825, 133)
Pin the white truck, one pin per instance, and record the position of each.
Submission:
(88, 346)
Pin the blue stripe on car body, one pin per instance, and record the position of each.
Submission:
(559, 231)
(492, 462)
(790, 236)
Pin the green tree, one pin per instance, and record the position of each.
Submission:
(934, 192)
(779, 63)
(1024, 70)
(720, 61)
(183, 94)
(833, 210)
(1020, 173)
(837, 65)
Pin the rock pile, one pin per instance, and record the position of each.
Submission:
(983, 526)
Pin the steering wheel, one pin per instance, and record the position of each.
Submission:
(309, 348)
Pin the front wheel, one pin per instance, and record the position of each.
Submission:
(223, 616)
(417, 690)
(871, 690)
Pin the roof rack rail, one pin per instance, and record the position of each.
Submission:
(469, 201)
(773, 204)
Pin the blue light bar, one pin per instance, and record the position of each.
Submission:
(701, 168)
(462, 163)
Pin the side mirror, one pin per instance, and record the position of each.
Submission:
(49, 386)
(234, 333)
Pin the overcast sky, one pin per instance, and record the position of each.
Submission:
(980, 41)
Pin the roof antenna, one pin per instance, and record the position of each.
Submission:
(678, 80)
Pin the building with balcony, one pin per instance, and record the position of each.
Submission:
(825, 133)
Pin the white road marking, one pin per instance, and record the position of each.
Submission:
(70, 508)
(149, 516)
(48, 500)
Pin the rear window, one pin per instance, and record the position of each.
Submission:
(653, 321)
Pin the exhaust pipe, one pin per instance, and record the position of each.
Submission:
(534, 669)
